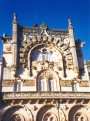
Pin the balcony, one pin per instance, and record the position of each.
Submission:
(45, 95)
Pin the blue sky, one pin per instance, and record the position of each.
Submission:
(52, 12)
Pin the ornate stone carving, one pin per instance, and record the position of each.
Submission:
(17, 113)
(51, 113)
(79, 113)
(17, 117)
(49, 117)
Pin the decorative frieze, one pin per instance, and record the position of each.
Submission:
(45, 95)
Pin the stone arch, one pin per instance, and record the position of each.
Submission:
(50, 113)
(77, 113)
(42, 41)
(42, 44)
(60, 45)
(51, 80)
(17, 113)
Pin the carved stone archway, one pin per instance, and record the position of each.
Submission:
(50, 113)
(54, 51)
(61, 47)
(17, 113)
(78, 113)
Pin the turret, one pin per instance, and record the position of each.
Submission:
(14, 41)
(14, 28)
(73, 47)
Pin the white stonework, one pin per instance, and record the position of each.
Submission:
(44, 77)
(86, 74)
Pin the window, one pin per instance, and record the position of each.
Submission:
(52, 85)
(18, 86)
(42, 85)
(47, 85)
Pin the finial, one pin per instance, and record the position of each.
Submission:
(14, 17)
(69, 23)
(43, 26)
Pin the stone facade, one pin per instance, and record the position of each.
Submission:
(43, 76)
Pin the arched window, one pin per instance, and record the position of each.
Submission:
(52, 85)
(42, 86)
(75, 86)
(45, 56)
(18, 86)
(48, 81)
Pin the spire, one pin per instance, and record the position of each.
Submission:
(69, 23)
(14, 18)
